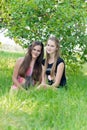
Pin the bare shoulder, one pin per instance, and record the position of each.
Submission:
(19, 61)
(60, 67)
(61, 64)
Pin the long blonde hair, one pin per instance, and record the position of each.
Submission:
(57, 54)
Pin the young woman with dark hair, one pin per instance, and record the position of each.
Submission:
(28, 69)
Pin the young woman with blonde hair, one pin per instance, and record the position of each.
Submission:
(53, 65)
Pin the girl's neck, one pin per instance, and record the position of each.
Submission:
(51, 59)
(51, 56)
(32, 62)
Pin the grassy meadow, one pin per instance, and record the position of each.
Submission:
(44, 109)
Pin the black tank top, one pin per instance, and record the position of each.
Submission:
(48, 70)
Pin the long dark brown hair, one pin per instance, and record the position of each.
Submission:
(37, 70)
(57, 54)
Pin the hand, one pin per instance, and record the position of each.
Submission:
(41, 86)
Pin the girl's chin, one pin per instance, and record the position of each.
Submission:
(49, 52)
(34, 57)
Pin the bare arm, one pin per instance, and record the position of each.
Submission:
(43, 75)
(15, 72)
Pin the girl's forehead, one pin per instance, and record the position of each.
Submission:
(37, 46)
(51, 42)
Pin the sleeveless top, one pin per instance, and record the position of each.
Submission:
(28, 80)
(48, 71)
(28, 73)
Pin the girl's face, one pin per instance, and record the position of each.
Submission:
(51, 47)
(36, 51)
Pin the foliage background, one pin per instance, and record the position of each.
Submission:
(28, 20)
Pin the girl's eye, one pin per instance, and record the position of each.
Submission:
(36, 50)
(52, 46)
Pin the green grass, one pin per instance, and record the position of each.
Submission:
(44, 109)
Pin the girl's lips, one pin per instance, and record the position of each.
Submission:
(48, 51)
